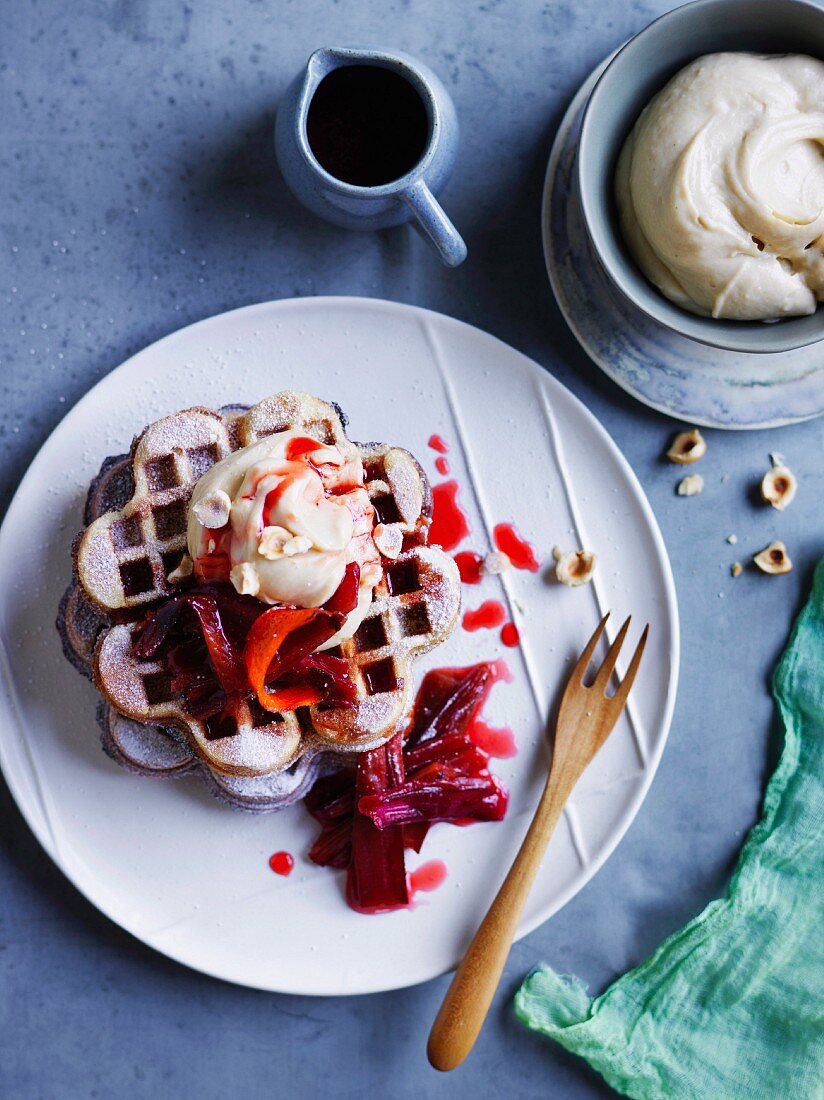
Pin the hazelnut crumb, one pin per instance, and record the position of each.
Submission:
(575, 568)
(495, 562)
(732, 539)
(687, 447)
(690, 486)
(182, 570)
(736, 569)
(778, 487)
(774, 559)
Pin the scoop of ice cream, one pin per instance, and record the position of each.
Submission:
(720, 187)
(281, 519)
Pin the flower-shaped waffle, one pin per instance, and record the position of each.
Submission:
(136, 537)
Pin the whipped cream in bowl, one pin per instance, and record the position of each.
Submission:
(734, 154)
(282, 519)
(720, 187)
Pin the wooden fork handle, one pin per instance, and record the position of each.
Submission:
(468, 998)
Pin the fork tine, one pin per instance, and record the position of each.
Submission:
(577, 674)
(605, 671)
(620, 696)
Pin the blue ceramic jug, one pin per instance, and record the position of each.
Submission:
(364, 207)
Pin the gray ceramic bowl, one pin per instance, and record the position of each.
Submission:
(628, 83)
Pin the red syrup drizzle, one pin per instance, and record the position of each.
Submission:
(441, 465)
(520, 552)
(429, 876)
(510, 635)
(491, 613)
(499, 742)
(450, 524)
(439, 444)
(469, 566)
(281, 863)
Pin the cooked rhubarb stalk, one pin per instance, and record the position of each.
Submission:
(376, 882)
(468, 798)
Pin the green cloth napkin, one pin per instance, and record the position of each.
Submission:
(732, 1005)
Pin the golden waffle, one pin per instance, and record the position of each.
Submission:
(124, 556)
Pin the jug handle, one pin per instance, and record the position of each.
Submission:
(434, 223)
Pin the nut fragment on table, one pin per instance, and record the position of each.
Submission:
(778, 487)
(732, 539)
(575, 568)
(687, 447)
(773, 559)
(690, 486)
(736, 569)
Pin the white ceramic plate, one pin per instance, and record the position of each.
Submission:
(186, 874)
(675, 375)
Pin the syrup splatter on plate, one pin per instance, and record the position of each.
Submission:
(417, 374)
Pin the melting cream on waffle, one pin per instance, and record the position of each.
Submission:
(282, 518)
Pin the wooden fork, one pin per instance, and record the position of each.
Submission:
(585, 718)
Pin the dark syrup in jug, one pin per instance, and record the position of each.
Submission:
(367, 125)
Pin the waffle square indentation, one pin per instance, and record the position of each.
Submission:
(126, 533)
(161, 473)
(136, 577)
(380, 677)
(304, 719)
(403, 577)
(158, 688)
(371, 634)
(202, 459)
(387, 509)
(260, 716)
(415, 620)
(171, 560)
(220, 726)
(170, 520)
(322, 430)
(373, 470)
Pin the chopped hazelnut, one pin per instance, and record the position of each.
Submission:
(778, 487)
(773, 559)
(687, 447)
(212, 510)
(272, 541)
(736, 568)
(732, 539)
(690, 486)
(388, 539)
(182, 570)
(575, 568)
(495, 563)
(245, 579)
(297, 544)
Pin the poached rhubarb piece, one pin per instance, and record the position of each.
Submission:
(221, 647)
(433, 772)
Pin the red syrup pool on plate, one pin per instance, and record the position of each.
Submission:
(429, 876)
(490, 614)
(282, 863)
(439, 444)
(495, 741)
(510, 635)
(520, 552)
(469, 566)
(450, 523)
(442, 465)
